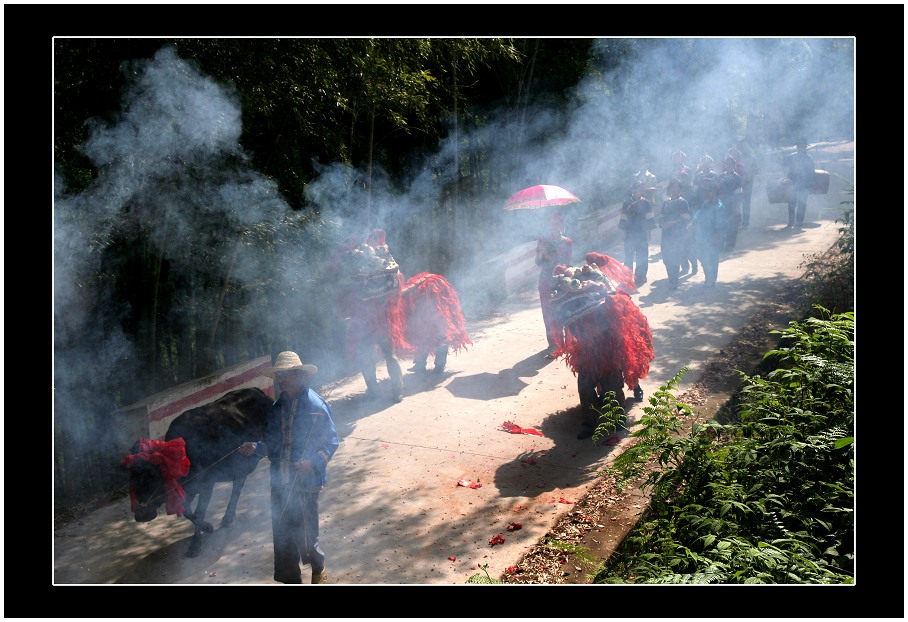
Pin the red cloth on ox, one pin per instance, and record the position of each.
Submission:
(432, 313)
(614, 336)
(171, 457)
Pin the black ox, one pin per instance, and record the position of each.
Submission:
(211, 433)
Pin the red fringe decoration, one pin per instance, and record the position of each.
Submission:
(614, 336)
(171, 457)
(432, 312)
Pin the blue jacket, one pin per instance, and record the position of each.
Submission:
(312, 432)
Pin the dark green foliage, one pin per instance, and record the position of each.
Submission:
(769, 499)
(831, 275)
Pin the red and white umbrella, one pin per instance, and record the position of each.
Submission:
(535, 197)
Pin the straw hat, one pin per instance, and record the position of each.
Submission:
(289, 361)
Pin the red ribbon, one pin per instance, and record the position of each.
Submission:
(171, 457)
(513, 428)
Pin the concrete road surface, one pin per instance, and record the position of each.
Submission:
(393, 512)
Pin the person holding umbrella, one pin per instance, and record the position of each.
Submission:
(552, 249)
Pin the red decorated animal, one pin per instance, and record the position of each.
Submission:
(198, 450)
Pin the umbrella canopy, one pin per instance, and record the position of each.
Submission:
(535, 197)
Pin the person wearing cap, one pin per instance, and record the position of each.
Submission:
(709, 231)
(299, 439)
(801, 171)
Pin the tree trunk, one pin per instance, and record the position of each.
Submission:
(369, 170)
(210, 363)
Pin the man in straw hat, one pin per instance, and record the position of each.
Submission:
(299, 440)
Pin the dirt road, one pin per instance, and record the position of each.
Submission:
(393, 512)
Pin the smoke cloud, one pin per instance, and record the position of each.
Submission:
(172, 159)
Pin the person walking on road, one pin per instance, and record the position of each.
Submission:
(552, 249)
(369, 289)
(299, 440)
(747, 163)
(685, 176)
(674, 221)
(604, 337)
(801, 172)
(731, 194)
(637, 220)
(709, 232)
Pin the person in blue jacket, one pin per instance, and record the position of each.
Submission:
(299, 439)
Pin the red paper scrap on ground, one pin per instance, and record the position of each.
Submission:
(452, 558)
(514, 526)
(529, 460)
(468, 484)
(512, 568)
(612, 440)
(496, 540)
(563, 500)
(513, 428)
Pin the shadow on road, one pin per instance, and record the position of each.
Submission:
(506, 383)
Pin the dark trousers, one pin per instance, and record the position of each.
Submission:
(592, 392)
(674, 254)
(636, 253)
(441, 358)
(545, 303)
(709, 259)
(367, 365)
(797, 208)
(294, 525)
(745, 204)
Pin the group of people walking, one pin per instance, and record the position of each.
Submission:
(703, 210)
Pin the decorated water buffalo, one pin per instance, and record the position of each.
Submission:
(198, 450)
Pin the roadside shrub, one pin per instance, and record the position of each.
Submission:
(766, 499)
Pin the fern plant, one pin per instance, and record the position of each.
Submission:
(766, 499)
(483, 579)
